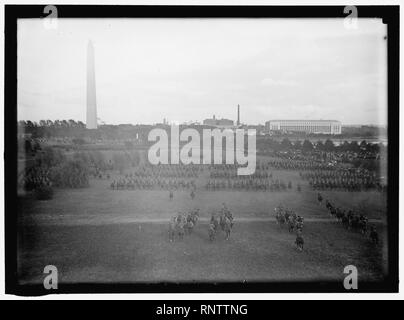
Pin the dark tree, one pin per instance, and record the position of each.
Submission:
(307, 145)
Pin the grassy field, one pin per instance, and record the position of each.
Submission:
(257, 251)
(96, 234)
(99, 204)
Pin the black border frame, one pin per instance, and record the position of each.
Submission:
(390, 16)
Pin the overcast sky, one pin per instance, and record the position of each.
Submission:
(190, 69)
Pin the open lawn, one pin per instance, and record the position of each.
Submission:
(99, 204)
(256, 251)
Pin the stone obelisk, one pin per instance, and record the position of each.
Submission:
(91, 122)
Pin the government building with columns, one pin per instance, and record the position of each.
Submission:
(306, 126)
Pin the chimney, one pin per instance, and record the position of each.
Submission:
(238, 114)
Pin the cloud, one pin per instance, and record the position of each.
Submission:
(272, 82)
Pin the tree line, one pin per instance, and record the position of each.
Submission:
(327, 146)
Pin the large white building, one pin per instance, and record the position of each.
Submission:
(307, 126)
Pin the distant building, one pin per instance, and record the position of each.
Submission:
(306, 126)
(220, 123)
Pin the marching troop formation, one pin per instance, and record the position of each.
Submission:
(167, 171)
(351, 220)
(164, 177)
(348, 179)
(306, 165)
(228, 171)
(129, 182)
(183, 224)
(248, 183)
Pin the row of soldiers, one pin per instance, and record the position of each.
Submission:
(152, 183)
(340, 173)
(341, 180)
(248, 183)
(344, 185)
(299, 165)
(166, 171)
(259, 173)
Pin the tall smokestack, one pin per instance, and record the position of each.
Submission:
(238, 114)
(91, 121)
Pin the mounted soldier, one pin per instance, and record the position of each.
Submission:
(319, 198)
(374, 236)
(299, 241)
(227, 214)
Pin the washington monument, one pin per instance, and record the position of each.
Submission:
(91, 121)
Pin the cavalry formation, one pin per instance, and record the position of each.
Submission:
(182, 224)
(294, 222)
(128, 182)
(351, 220)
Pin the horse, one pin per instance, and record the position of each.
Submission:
(363, 225)
(280, 218)
(172, 229)
(213, 220)
(299, 242)
(299, 224)
(291, 223)
(328, 205)
(345, 221)
(227, 227)
(189, 226)
(286, 215)
(319, 198)
(193, 216)
(354, 222)
(222, 221)
(212, 231)
(180, 230)
(192, 194)
(374, 236)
